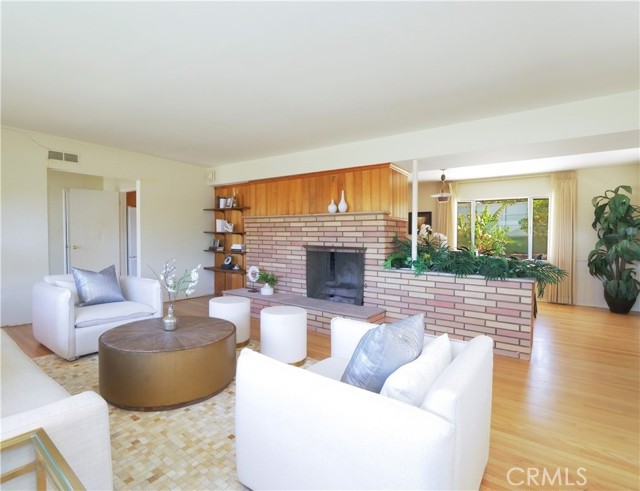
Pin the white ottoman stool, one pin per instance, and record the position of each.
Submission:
(236, 310)
(283, 334)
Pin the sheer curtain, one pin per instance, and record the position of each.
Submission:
(445, 219)
(561, 247)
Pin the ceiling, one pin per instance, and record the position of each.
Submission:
(214, 83)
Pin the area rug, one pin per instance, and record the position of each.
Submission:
(188, 448)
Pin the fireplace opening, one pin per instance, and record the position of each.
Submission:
(336, 274)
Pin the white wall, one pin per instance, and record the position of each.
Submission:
(517, 187)
(594, 182)
(172, 197)
(586, 120)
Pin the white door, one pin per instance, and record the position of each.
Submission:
(92, 229)
(132, 242)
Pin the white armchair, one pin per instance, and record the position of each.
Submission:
(71, 331)
(303, 429)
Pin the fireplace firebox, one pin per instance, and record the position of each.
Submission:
(336, 274)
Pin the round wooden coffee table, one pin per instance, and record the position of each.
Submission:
(142, 367)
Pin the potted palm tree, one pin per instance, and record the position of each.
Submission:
(616, 221)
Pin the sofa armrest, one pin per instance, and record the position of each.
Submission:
(462, 395)
(143, 290)
(345, 335)
(299, 430)
(53, 319)
(78, 427)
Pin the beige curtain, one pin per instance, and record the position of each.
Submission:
(561, 246)
(444, 219)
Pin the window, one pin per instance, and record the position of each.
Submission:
(512, 227)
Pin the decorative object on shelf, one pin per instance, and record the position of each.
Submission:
(227, 263)
(424, 217)
(222, 202)
(252, 276)
(342, 206)
(185, 284)
(269, 280)
(617, 251)
(228, 227)
(445, 190)
(332, 207)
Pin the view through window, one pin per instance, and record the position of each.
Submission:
(512, 227)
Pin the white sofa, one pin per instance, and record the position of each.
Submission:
(78, 425)
(71, 331)
(303, 429)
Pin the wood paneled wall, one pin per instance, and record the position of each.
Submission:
(381, 187)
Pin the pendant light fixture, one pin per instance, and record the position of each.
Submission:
(444, 194)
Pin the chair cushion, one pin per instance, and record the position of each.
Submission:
(382, 350)
(97, 287)
(411, 382)
(93, 315)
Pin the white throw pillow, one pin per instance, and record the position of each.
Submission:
(411, 382)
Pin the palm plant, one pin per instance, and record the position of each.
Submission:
(489, 236)
(616, 221)
(464, 263)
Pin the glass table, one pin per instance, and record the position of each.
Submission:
(32, 461)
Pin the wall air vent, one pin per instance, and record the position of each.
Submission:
(64, 157)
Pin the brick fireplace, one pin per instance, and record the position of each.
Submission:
(462, 307)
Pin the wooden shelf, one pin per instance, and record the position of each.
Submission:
(237, 208)
(222, 270)
(228, 279)
(225, 252)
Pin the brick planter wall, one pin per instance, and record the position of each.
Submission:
(462, 307)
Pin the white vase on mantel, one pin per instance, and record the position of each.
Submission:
(332, 207)
(266, 290)
(342, 206)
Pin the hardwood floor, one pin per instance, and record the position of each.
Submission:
(567, 419)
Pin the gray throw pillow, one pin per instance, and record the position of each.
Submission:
(383, 350)
(94, 288)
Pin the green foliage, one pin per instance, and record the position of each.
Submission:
(616, 222)
(490, 238)
(267, 278)
(540, 218)
(465, 263)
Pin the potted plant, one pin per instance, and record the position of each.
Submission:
(616, 222)
(437, 257)
(269, 280)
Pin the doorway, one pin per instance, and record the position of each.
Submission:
(57, 181)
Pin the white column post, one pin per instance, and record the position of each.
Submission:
(414, 211)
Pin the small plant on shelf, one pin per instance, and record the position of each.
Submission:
(269, 280)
